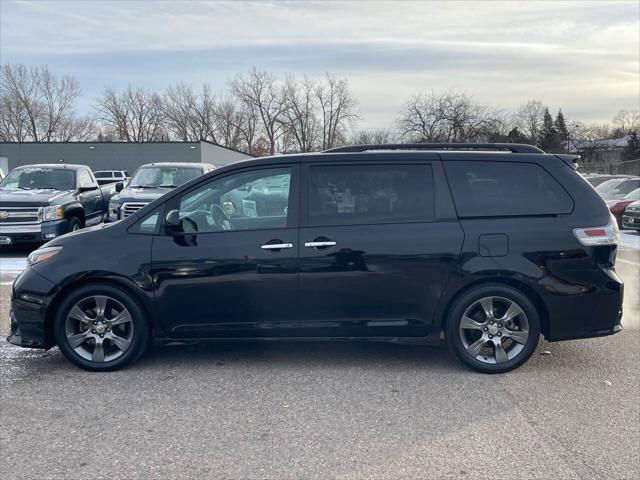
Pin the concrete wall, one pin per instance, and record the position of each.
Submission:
(117, 155)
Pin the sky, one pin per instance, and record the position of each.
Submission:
(581, 56)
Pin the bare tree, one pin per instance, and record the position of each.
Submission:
(447, 117)
(133, 115)
(529, 119)
(627, 121)
(338, 110)
(301, 117)
(372, 137)
(36, 103)
(263, 95)
(587, 137)
(189, 115)
(236, 127)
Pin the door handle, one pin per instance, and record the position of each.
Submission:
(276, 246)
(328, 243)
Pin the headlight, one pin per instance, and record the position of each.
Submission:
(42, 254)
(114, 210)
(52, 213)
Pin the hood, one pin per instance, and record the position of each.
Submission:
(139, 194)
(28, 198)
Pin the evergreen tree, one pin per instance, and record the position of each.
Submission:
(632, 150)
(561, 132)
(548, 136)
(516, 136)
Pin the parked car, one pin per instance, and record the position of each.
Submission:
(111, 176)
(41, 202)
(151, 181)
(618, 207)
(631, 216)
(617, 188)
(597, 179)
(492, 243)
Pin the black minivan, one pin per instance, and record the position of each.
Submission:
(493, 244)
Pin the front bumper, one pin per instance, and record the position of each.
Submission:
(631, 220)
(30, 298)
(31, 233)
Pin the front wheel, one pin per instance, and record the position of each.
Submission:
(493, 328)
(100, 328)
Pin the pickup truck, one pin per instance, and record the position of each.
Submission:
(151, 181)
(41, 202)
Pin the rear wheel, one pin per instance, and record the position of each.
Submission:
(493, 328)
(100, 328)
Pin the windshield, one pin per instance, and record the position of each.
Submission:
(621, 189)
(153, 177)
(635, 195)
(604, 187)
(31, 178)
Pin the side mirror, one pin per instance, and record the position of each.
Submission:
(172, 220)
(119, 186)
(86, 187)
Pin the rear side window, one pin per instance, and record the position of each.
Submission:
(497, 189)
(366, 194)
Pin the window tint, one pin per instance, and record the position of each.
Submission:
(102, 174)
(494, 189)
(148, 224)
(244, 201)
(364, 194)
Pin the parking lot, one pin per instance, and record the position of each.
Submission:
(314, 410)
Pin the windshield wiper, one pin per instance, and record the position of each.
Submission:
(142, 186)
(168, 185)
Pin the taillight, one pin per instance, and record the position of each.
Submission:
(594, 236)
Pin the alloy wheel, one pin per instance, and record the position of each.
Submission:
(494, 330)
(99, 328)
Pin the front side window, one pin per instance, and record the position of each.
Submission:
(250, 200)
(33, 178)
(84, 177)
(102, 174)
(163, 176)
(367, 194)
(497, 189)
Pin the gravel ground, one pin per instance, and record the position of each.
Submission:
(313, 410)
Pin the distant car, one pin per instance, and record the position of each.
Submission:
(596, 179)
(151, 181)
(631, 216)
(111, 176)
(618, 188)
(617, 207)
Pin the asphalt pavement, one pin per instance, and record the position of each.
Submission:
(315, 410)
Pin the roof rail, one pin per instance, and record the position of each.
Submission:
(511, 147)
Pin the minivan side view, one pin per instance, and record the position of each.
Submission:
(492, 244)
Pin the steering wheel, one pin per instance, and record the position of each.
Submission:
(220, 217)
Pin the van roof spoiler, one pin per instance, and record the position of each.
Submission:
(511, 147)
(569, 159)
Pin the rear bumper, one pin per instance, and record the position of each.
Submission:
(32, 233)
(596, 312)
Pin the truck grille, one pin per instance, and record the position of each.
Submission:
(131, 208)
(19, 215)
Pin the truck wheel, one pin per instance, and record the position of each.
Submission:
(73, 224)
(100, 328)
(493, 328)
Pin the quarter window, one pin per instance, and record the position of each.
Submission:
(367, 194)
(497, 189)
(251, 200)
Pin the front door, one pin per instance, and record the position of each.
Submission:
(91, 200)
(231, 269)
(374, 258)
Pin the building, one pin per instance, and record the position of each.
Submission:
(605, 156)
(115, 155)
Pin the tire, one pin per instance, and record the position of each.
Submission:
(497, 342)
(73, 224)
(105, 315)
